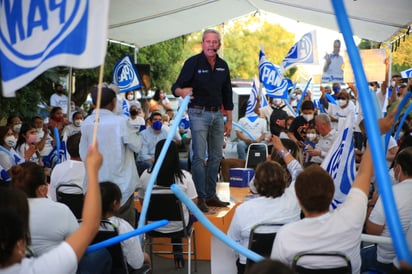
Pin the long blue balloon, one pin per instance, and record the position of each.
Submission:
(402, 121)
(243, 130)
(378, 156)
(58, 143)
(127, 235)
(159, 161)
(211, 228)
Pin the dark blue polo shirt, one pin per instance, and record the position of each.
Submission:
(211, 88)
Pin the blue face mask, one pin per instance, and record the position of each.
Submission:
(336, 90)
(157, 125)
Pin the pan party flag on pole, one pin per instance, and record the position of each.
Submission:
(275, 84)
(340, 162)
(125, 75)
(39, 35)
(304, 51)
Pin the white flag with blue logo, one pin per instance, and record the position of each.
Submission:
(251, 104)
(275, 84)
(406, 73)
(340, 163)
(38, 35)
(304, 51)
(125, 75)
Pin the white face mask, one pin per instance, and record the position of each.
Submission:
(10, 141)
(78, 122)
(276, 101)
(130, 97)
(308, 117)
(341, 102)
(17, 128)
(311, 136)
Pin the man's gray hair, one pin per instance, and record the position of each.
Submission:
(323, 118)
(211, 31)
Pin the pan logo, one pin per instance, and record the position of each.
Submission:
(124, 73)
(32, 31)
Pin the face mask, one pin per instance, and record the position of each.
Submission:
(341, 102)
(10, 141)
(133, 112)
(393, 83)
(336, 90)
(298, 96)
(17, 127)
(311, 136)
(157, 125)
(78, 122)
(308, 117)
(39, 130)
(32, 138)
(130, 97)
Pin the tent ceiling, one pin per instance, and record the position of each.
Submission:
(147, 22)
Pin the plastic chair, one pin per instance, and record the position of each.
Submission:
(165, 205)
(72, 196)
(256, 153)
(346, 267)
(261, 240)
(119, 263)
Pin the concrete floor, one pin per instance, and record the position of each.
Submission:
(163, 265)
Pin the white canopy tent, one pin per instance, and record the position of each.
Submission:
(147, 22)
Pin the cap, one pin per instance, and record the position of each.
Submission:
(107, 96)
(403, 85)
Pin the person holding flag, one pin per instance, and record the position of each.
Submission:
(254, 124)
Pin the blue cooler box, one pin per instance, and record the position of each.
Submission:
(240, 177)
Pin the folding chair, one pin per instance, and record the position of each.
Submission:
(165, 205)
(256, 153)
(119, 263)
(261, 240)
(72, 196)
(346, 267)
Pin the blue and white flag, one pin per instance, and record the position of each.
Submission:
(263, 101)
(340, 163)
(251, 104)
(125, 75)
(304, 51)
(270, 76)
(406, 73)
(125, 108)
(38, 35)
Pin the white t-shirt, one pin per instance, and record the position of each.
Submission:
(282, 210)
(186, 185)
(57, 100)
(67, 172)
(337, 231)
(256, 128)
(341, 114)
(131, 247)
(50, 224)
(9, 158)
(402, 193)
(61, 259)
(48, 145)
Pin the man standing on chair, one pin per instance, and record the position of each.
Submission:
(205, 77)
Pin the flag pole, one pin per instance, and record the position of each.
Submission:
(99, 97)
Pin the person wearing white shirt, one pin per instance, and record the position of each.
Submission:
(117, 143)
(58, 99)
(71, 171)
(344, 109)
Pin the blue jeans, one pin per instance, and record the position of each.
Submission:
(371, 264)
(241, 150)
(207, 143)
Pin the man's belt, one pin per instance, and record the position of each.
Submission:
(212, 109)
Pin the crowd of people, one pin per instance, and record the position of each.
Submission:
(292, 188)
